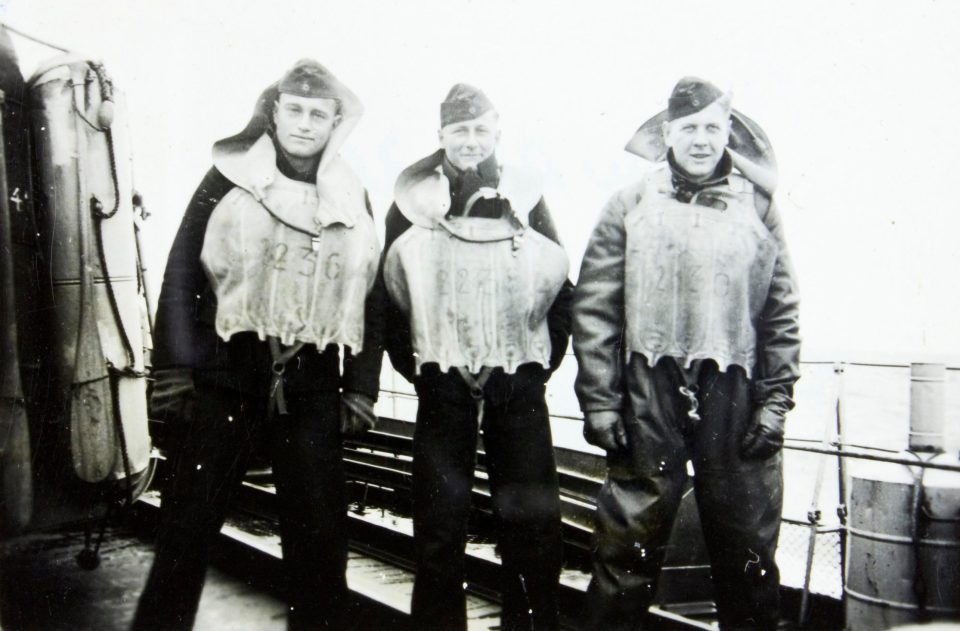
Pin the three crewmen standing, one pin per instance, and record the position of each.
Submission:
(684, 323)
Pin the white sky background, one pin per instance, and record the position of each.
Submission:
(860, 99)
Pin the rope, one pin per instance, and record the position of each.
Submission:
(106, 96)
(81, 115)
(97, 214)
(118, 426)
(313, 235)
(33, 39)
(96, 207)
(140, 212)
(111, 295)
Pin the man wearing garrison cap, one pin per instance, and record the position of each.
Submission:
(685, 325)
(479, 312)
(267, 279)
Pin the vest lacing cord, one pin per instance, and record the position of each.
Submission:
(689, 389)
(691, 393)
(280, 357)
(476, 385)
(314, 236)
(486, 192)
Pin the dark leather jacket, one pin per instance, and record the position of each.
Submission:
(598, 310)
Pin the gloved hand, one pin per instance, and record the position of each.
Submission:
(605, 429)
(764, 437)
(356, 414)
(172, 394)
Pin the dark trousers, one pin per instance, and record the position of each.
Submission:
(525, 495)
(740, 501)
(210, 456)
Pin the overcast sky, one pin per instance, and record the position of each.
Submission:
(860, 100)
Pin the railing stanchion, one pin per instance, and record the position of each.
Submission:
(839, 370)
(813, 519)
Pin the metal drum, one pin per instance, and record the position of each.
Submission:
(928, 427)
(904, 545)
(85, 221)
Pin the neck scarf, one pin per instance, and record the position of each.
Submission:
(464, 183)
(685, 187)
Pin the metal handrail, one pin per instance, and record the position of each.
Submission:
(837, 448)
(843, 451)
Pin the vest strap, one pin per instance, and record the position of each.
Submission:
(280, 356)
(314, 236)
(476, 385)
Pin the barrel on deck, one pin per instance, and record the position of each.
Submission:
(928, 427)
(904, 549)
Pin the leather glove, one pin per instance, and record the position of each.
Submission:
(605, 429)
(764, 438)
(356, 414)
(172, 395)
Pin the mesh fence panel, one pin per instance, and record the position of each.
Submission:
(827, 571)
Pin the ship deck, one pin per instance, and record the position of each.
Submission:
(44, 588)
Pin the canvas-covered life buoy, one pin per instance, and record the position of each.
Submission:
(86, 225)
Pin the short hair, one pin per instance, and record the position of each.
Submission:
(338, 109)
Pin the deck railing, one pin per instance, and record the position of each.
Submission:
(812, 551)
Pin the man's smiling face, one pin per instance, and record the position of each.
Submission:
(468, 143)
(698, 140)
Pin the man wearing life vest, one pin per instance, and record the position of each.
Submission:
(685, 326)
(480, 300)
(267, 277)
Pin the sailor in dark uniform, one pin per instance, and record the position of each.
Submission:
(480, 318)
(267, 279)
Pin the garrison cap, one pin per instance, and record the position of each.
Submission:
(306, 78)
(691, 95)
(748, 144)
(464, 102)
(309, 79)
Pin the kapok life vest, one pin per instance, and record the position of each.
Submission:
(697, 276)
(477, 290)
(278, 270)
